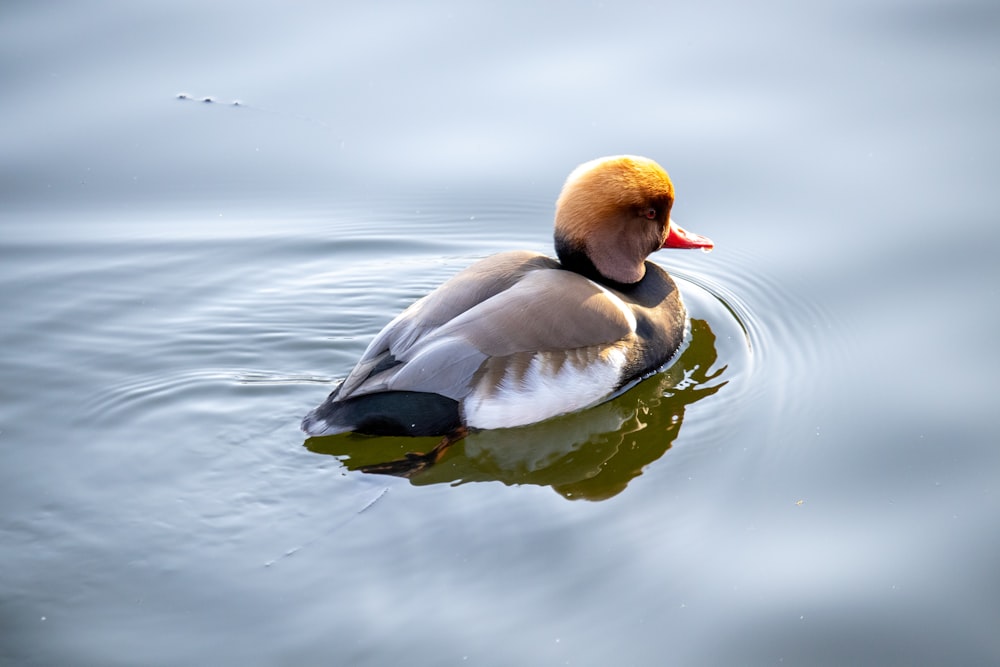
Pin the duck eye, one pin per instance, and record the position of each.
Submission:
(651, 213)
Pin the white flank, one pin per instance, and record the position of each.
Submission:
(544, 393)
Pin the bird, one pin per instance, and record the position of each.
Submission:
(520, 337)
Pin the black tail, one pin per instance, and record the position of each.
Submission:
(411, 413)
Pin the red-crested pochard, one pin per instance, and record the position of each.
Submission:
(520, 337)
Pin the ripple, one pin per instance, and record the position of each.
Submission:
(211, 389)
(788, 336)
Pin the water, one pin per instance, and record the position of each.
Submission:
(814, 482)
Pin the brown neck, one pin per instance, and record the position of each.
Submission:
(575, 257)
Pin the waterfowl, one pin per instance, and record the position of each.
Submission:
(519, 337)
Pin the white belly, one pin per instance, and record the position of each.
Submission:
(544, 390)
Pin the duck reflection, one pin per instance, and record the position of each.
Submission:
(592, 454)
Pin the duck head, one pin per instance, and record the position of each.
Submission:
(614, 212)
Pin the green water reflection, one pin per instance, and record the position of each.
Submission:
(591, 455)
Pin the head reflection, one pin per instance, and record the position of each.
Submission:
(591, 455)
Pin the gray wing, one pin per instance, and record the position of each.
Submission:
(470, 287)
(504, 305)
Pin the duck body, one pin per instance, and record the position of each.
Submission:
(520, 337)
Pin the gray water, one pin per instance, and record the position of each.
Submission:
(814, 482)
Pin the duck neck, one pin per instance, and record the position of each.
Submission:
(574, 257)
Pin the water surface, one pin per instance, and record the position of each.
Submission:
(813, 482)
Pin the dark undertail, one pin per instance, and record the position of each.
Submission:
(411, 413)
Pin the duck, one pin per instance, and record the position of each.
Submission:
(520, 337)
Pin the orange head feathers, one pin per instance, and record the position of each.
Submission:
(612, 213)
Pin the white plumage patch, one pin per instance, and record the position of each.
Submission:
(544, 391)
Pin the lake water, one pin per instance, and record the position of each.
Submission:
(814, 482)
